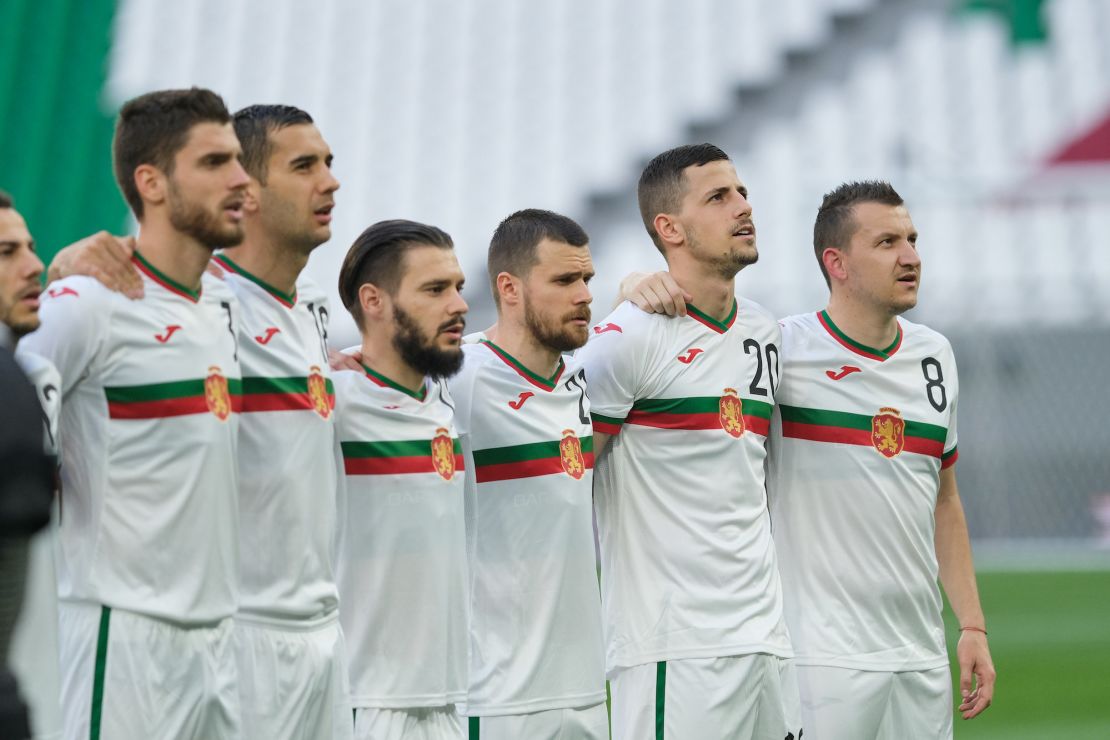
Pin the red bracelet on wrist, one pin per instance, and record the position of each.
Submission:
(973, 629)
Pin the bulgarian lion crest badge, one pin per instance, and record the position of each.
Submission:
(318, 392)
(216, 394)
(443, 454)
(732, 413)
(888, 432)
(570, 455)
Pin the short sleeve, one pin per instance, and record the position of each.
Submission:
(952, 390)
(75, 317)
(613, 360)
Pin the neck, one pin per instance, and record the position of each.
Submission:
(270, 260)
(178, 256)
(864, 325)
(711, 293)
(515, 338)
(379, 354)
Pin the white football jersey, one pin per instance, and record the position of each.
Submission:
(287, 472)
(402, 543)
(150, 399)
(688, 566)
(535, 637)
(859, 438)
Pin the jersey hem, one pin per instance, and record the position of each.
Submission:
(923, 664)
(724, 651)
(362, 701)
(535, 705)
(288, 623)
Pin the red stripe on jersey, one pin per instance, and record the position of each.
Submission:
(166, 408)
(394, 465)
(282, 402)
(606, 428)
(694, 422)
(526, 469)
(947, 462)
(860, 437)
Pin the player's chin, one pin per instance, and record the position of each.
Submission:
(23, 322)
(577, 333)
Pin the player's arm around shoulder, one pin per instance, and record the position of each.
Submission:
(74, 319)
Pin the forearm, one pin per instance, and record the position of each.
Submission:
(953, 547)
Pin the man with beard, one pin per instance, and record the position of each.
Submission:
(697, 642)
(536, 651)
(148, 564)
(402, 551)
(33, 656)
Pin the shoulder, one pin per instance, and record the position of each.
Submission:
(754, 311)
(924, 340)
(80, 293)
(797, 326)
(216, 289)
(309, 291)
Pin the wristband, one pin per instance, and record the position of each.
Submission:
(973, 629)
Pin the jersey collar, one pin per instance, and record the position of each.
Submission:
(286, 299)
(385, 382)
(860, 349)
(701, 317)
(162, 279)
(547, 384)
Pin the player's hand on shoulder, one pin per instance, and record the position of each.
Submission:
(349, 360)
(977, 674)
(102, 256)
(655, 292)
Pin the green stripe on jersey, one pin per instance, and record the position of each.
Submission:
(165, 391)
(399, 448)
(254, 385)
(530, 451)
(660, 697)
(697, 405)
(99, 669)
(846, 420)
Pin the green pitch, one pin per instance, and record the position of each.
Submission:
(1050, 640)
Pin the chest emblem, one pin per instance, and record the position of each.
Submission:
(318, 392)
(688, 356)
(570, 455)
(732, 413)
(216, 394)
(443, 454)
(888, 432)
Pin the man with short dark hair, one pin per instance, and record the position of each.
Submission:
(697, 642)
(148, 565)
(862, 486)
(33, 656)
(288, 641)
(536, 665)
(863, 489)
(402, 568)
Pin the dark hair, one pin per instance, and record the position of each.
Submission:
(6, 200)
(255, 124)
(835, 222)
(663, 182)
(516, 239)
(377, 257)
(152, 128)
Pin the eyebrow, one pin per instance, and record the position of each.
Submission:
(304, 159)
